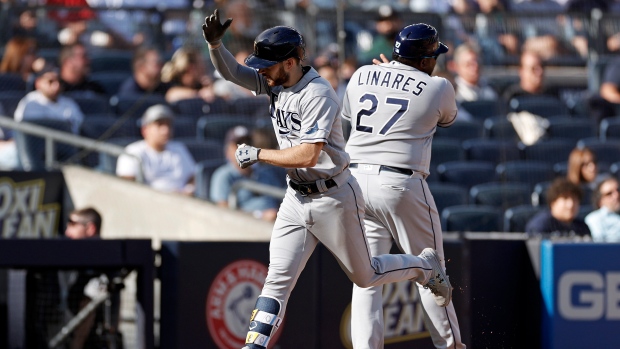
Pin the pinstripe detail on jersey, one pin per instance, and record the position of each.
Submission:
(430, 216)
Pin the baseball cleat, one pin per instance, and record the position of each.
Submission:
(439, 284)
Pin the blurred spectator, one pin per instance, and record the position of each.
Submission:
(470, 86)
(604, 222)
(186, 74)
(387, 25)
(536, 6)
(582, 167)
(28, 26)
(531, 79)
(19, 56)
(496, 32)
(560, 220)
(84, 224)
(424, 6)
(261, 206)
(146, 78)
(47, 101)
(165, 164)
(330, 74)
(607, 103)
(74, 70)
(243, 29)
(88, 284)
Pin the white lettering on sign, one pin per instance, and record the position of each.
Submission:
(598, 295)
(22, 212)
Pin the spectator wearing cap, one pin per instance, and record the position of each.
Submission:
(166, 165)
(261, 206)
(47, 101)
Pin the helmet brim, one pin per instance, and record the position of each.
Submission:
(258, 63)
(443, 48)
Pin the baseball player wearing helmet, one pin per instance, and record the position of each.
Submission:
(323, 202)
(394, 108)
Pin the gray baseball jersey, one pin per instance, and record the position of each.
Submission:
(394, 111)
(309, 112)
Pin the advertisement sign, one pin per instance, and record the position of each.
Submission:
(580, 283)
(30, 204)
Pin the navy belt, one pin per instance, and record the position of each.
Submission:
(309, 188)
(404, 171)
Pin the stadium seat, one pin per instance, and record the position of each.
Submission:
(460, 130)
(483, 109)
(570, 128)
(12, 82)
(444, 150)
(502, 195)
(614, 169)
(203, 149)
(475, 218)
(610, 129)
(184, 127)
(204, 171)
(90, 102)
(516, 218)
(466, 173)
(493, 150)
(257, 107)
(542, 105)
(525, 171)
(110, 80)
(135, 105)
(10, 100)
(31, 149)
(446, 194)
(499, 128)
(607, 152)
(214, 127)
(539, 194)
(197, 107)
(111, 60)
(551, 151)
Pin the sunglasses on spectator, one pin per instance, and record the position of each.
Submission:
(72, 222)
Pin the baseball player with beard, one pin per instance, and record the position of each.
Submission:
(323, 202)
(394, 108)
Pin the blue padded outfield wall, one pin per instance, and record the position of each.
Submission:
(580, 284)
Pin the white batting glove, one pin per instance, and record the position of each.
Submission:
(246, 155)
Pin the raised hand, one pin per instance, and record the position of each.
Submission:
(212, 29)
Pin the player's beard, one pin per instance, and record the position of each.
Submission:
(279, 78)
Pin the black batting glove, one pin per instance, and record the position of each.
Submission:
(213, 30)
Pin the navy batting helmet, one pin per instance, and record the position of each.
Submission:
(274, 45)
(419, 41)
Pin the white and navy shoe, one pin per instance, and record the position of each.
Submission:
(439, 284)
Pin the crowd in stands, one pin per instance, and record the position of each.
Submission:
(164, 102)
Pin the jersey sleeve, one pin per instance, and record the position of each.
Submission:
(447, 105)
(318, 116)
(346, 104)
(231, 70)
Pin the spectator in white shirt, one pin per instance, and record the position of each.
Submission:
(166, 165)
(604, 223)
(47, 101)
(469, 84)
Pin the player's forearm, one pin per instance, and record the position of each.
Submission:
(301, 156)
(610, 92)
